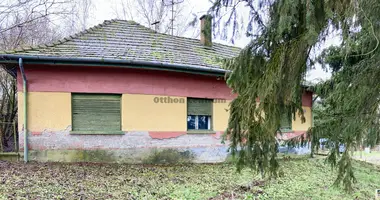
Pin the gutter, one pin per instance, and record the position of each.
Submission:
(25, 89)
(120, 63)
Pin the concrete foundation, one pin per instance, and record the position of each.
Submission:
(132, 147)
(9, 156)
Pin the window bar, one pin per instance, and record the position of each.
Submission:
(196, 122)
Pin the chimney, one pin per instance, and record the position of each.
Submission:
(206, 27)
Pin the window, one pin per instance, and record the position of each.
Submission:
(96, 112)
(286, 123)
(199, 112)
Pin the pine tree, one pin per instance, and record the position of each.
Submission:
(272, 68)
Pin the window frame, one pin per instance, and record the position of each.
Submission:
(210, 121)
(197, 123)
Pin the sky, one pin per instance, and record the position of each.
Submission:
(107, 9)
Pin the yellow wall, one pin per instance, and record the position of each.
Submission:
(220, 114)
(52, 111)
(46, 110)
(298, 126)
(142, 113)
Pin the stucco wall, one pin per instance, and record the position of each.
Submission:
(148, 124)
(220, 113)
(46, 111)
(297, 124)
(51, 111)
(150, 113)
(122, 81)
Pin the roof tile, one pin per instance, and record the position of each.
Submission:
(121, 39)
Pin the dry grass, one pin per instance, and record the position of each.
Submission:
(303, 178)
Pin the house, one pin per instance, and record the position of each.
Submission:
(121, 92)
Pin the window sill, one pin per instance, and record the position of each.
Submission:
(97, 133)
(200, 132)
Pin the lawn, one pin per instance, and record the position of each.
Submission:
(303, 178)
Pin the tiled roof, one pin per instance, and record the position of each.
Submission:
(120, 39)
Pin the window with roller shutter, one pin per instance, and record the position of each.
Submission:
(199, 114)
(96, 113)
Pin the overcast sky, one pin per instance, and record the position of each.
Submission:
(107, 9)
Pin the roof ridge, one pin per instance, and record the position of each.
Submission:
(63, 40)
(136, 23)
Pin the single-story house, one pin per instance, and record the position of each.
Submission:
(121, 92)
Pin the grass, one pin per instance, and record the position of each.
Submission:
(303, 178)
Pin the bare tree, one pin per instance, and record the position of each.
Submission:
(153, 12)
(124, 9)
(79, 16)
(157, 14)
(8, 112)
(23, 23)
(34, 33)
(85, 7)
(27, 11)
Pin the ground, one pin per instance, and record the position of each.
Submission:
(303, 178)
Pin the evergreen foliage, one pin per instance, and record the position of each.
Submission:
(273, 66)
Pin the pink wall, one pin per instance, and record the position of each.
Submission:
(115, 80)
(53, 78)
(307, 99)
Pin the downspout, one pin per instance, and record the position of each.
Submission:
(25, 89)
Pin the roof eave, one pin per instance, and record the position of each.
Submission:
(120, 63)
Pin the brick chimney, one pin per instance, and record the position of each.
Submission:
(206, 33)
